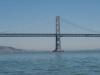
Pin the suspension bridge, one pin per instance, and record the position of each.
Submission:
(57, 35)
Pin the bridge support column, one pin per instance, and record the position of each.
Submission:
(58, 40)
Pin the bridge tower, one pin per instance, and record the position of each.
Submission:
(58, 40)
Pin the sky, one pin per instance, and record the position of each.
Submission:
(38, 16)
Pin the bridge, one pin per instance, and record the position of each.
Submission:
(57, 35)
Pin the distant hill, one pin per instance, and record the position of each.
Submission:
(7, 49)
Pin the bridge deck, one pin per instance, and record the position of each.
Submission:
(46, 35)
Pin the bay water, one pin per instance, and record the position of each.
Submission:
(48, 63)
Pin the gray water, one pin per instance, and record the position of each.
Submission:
(48, 63)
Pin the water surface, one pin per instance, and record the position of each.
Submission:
(48, 63)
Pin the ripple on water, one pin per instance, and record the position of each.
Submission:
(50, 64)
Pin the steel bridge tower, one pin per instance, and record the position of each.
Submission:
(58, 40)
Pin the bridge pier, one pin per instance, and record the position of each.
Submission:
(58, 39)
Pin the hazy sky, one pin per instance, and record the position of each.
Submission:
(38, 16)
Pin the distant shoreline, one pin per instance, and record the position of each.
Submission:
(8, 49)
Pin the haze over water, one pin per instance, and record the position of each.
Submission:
(48, 63)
